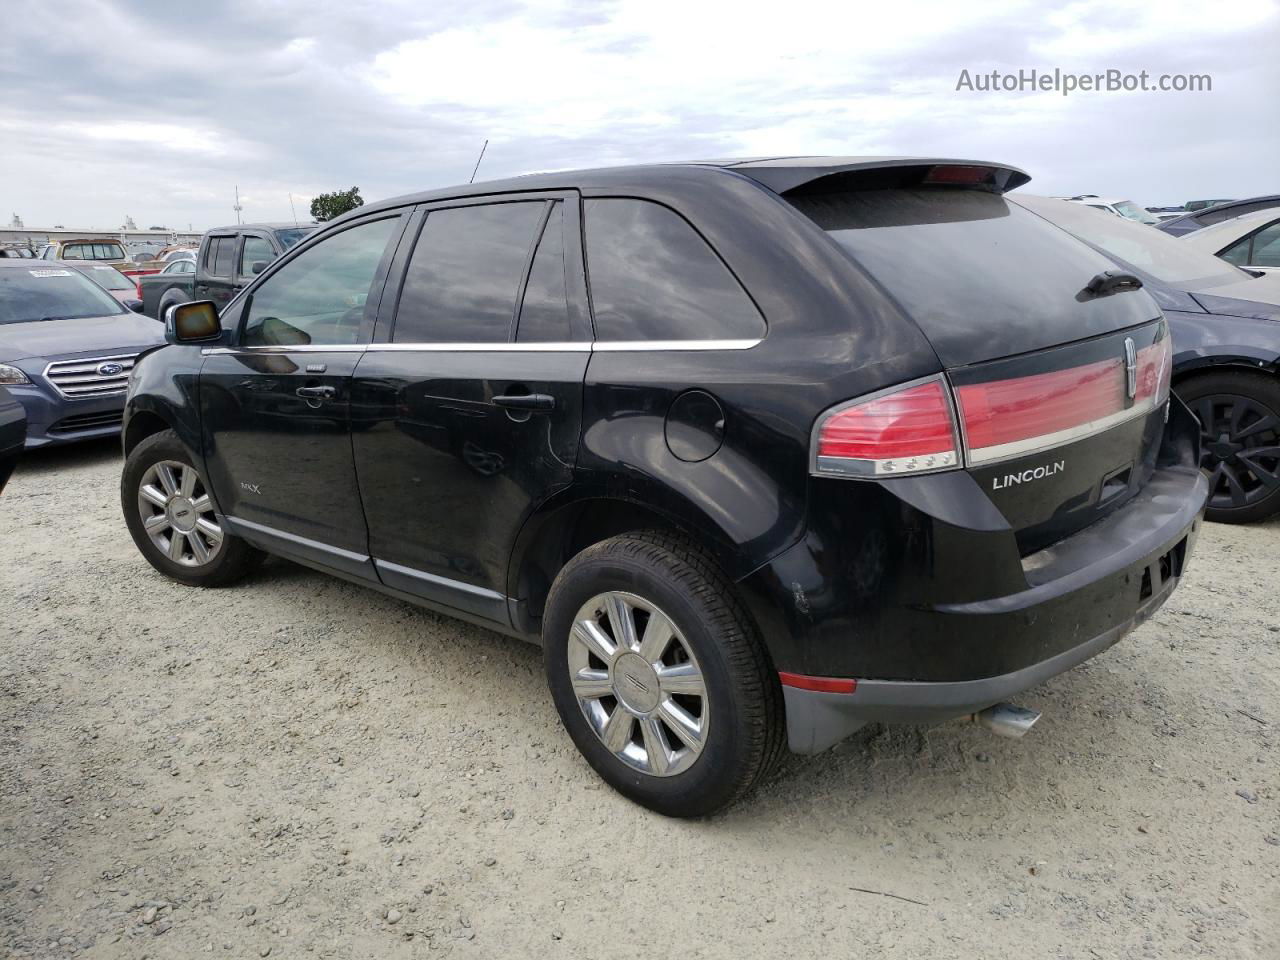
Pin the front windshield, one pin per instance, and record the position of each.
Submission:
(288, 238)
(51, 293)
(1153, 251)
(1135, 212)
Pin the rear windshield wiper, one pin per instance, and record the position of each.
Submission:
(1109, 282)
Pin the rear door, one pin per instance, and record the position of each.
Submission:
(467, 407)
(215, 278)
(275, 407)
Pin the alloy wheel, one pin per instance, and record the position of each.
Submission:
(177, 513)
(1240, 449)
(638, 684)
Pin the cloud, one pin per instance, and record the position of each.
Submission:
(161, 110)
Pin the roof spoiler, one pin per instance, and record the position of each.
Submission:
(803, 175)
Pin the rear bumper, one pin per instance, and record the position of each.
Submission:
(817, 720)
(927, 604)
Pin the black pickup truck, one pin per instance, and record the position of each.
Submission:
(229, 257)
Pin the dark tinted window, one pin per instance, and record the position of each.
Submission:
(289, 237)
(465, 274)
(218, 257)
(654, 278)
(224, 257)
(319, 296)
(544, 314)
(1238, 253)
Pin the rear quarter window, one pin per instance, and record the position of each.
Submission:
(654, 278)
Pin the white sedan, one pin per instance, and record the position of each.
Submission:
(1252, 240)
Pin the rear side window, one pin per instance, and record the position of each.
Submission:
(218, 257)
(544, 314)
(1266, 247)
(465, 273)
(653, 277)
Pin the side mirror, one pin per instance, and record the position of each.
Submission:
(195, 322)
(258, 266)
(134, 305)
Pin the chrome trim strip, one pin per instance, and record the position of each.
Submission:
(78, 379)
(576, 346)
(613, 346)
(316, 545)
(581, 346)
(457, 585)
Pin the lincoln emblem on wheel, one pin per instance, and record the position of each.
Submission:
(759, 452)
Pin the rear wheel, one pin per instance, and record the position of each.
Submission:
(169, 512)
(659, 676)
(1239, 416)
(171, 298)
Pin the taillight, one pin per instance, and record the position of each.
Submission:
(910, 429)
(138, 287)
(915, 428)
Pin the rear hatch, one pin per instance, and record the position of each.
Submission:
(1057, 392)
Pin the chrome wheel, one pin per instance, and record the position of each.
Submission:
(177, 513)
(638, 684)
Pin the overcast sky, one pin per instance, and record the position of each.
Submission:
(159, 110)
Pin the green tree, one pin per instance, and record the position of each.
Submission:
(330, 205)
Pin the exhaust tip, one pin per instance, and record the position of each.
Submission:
(1008, 720)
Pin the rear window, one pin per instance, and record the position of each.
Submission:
(1155, 252)
(288, 238)
(962, 263)
(111, 278)
(93, 251)
(51, 293)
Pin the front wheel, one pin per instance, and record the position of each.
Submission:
(1239, 416)
(659, 676)
(169, 512)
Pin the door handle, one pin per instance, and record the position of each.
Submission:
(531, 402)
(317, 393)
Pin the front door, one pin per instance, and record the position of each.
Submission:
(276, 407)
(467, 412)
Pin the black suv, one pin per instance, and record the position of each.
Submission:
(759, 451)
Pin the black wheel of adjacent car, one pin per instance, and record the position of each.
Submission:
(1239, 417)
(170, 515)
(171, 298)
(659, 675)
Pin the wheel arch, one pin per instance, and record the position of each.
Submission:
(140, 425)
(563, 528)
(1230, 363)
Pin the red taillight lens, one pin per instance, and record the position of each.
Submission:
(1004, 418)
(913, 429)
(910, 430)
(960, 174)
(138, 287)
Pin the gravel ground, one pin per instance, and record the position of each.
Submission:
(300, 766)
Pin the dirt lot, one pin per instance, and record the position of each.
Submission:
(300, 766)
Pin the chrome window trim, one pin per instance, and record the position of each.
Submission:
(577, 346)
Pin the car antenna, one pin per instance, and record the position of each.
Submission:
(292, 210)
(478, 159)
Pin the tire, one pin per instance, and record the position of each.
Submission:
(160, 481)
(1239, 416)
(658, 580)
(171, 298)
